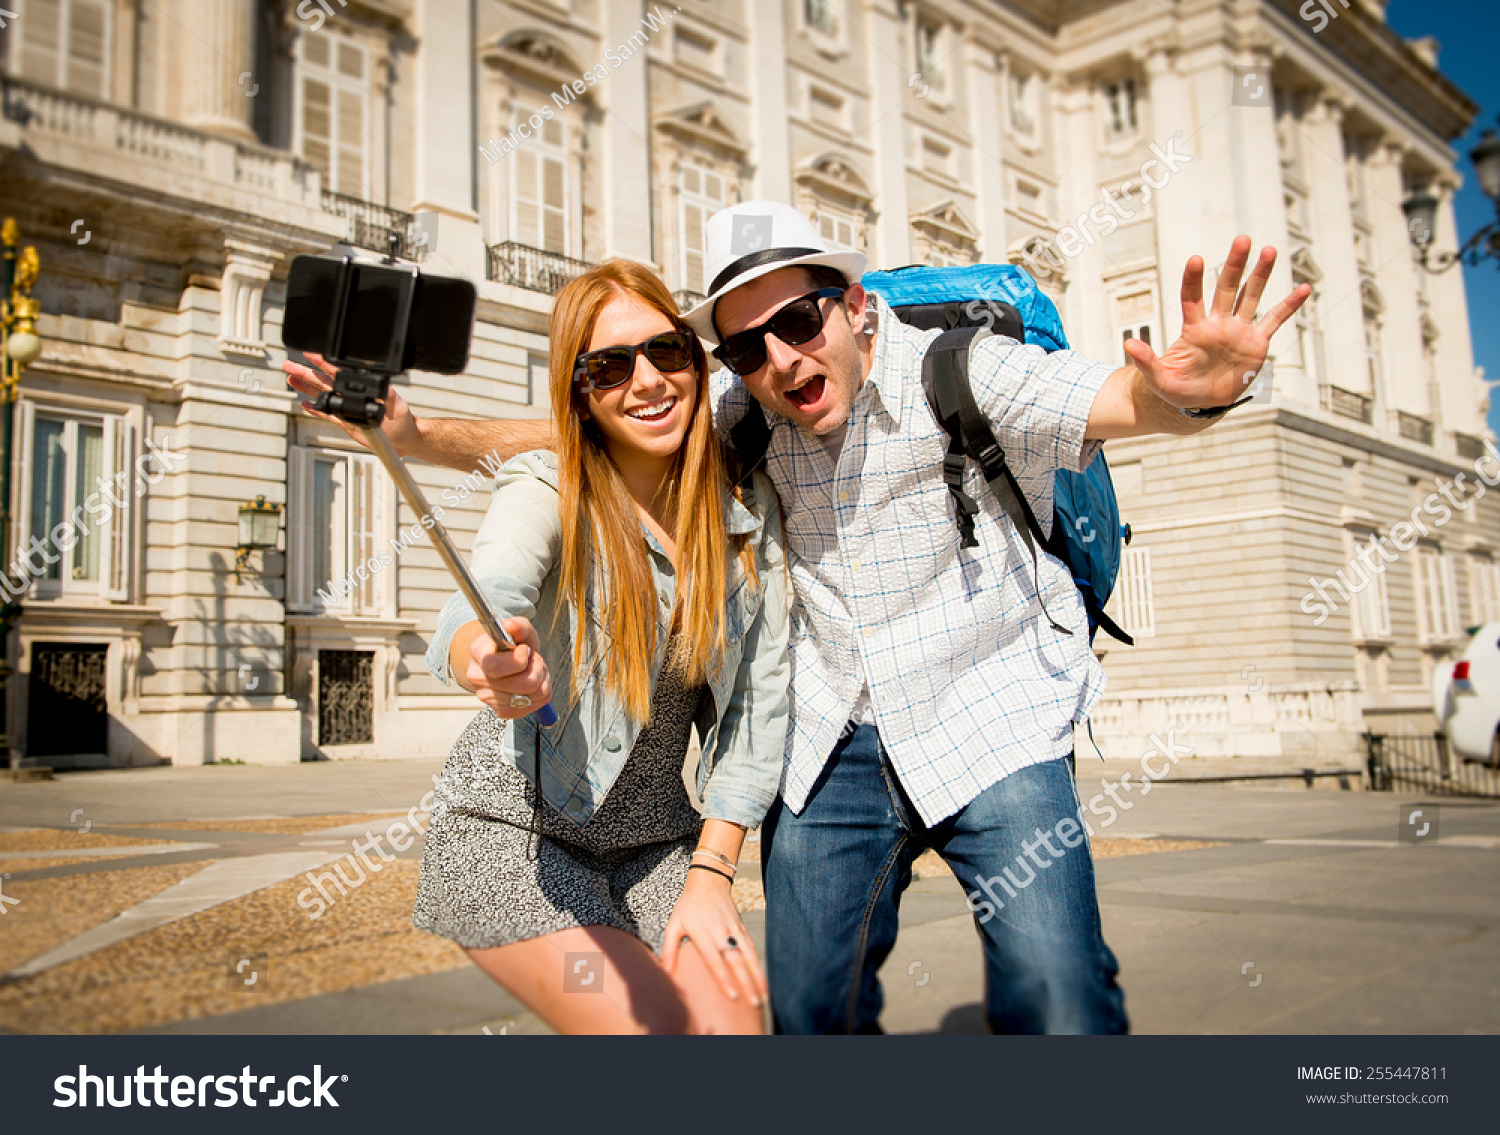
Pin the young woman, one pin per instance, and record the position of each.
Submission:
(646, 596)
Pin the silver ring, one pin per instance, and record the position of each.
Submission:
(519, 701)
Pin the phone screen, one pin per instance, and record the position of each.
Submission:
(377, 296)
(442, 323)
(311, 294)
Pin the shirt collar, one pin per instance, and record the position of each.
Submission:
(737, 518)
(885, 380)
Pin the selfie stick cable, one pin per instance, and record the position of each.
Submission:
(383, 449)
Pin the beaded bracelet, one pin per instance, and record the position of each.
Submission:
(722, 858)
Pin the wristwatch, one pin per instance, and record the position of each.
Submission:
(1208, 413)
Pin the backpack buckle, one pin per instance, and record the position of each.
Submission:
(953, 469)
(991, 459)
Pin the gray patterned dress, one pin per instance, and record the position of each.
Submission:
(624, 867)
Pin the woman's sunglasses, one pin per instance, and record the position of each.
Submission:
(744, 352)
(609, 367)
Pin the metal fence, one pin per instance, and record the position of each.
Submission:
(370, 225)
(1423, 762)
(533, 268)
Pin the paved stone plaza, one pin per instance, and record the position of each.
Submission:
(179, 900)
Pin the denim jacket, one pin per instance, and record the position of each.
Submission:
(742, 726)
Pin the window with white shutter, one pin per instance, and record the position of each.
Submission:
(836, 230)
(332, 117)
(1373, 605)
(1132, 604)
(1135, 318)
(77, 515)
(1437, 607)
(1484, 590)
(702, 195)
(1121, 119)
(539, 186)
(336, 531)
(65, 44)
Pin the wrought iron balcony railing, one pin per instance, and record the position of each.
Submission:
(1414, 428)
(1347, 403)
(532, 268)
(370, 225)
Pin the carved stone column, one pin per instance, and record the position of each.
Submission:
(213, 65)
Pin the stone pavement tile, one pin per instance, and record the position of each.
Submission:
(221, 881)
(1187, 972)
(934, 978)
(51, 911)
(280, 825)
(183, 969)
(214, 792)
(29, 841)
(458, 1001)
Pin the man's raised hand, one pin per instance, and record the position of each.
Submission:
(1221, 349)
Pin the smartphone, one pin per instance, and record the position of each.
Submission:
(388, 318)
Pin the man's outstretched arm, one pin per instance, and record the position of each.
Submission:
(1220, 352)
(456, 442)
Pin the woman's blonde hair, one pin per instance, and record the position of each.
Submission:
(603, 549)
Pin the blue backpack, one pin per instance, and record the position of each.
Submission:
(1086, 532)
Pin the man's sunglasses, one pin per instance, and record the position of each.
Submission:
(609, 367)
(744, 352)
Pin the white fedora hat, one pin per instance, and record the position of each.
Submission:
(748, 240)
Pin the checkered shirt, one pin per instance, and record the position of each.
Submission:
(968, 680)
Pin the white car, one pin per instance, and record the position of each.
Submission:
(1466, 698)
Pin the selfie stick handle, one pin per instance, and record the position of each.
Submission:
(384, 450)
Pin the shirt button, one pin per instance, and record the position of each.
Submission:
(612, 744)
(869, 632)
(843, 496)
(855, 564)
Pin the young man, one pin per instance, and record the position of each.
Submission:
(934, 689)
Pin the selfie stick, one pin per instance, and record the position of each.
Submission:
(351, 400)
(456, 566)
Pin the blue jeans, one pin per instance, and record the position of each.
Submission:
(834, 876)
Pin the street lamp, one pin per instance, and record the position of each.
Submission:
(260, 523)
(19, 348)
(1421, 213)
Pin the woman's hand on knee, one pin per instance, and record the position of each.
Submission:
(513, 683)
(706, 916)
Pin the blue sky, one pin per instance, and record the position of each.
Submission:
(1469, 32)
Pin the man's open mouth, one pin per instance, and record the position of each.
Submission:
(809, 394)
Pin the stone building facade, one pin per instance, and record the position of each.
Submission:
(169, 159)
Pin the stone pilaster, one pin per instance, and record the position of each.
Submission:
(213, 66)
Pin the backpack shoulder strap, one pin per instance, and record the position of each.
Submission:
(945, 381)
(751, 437)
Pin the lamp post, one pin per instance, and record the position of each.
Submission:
(19, 348)
(260, 523)
(1421, 214)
